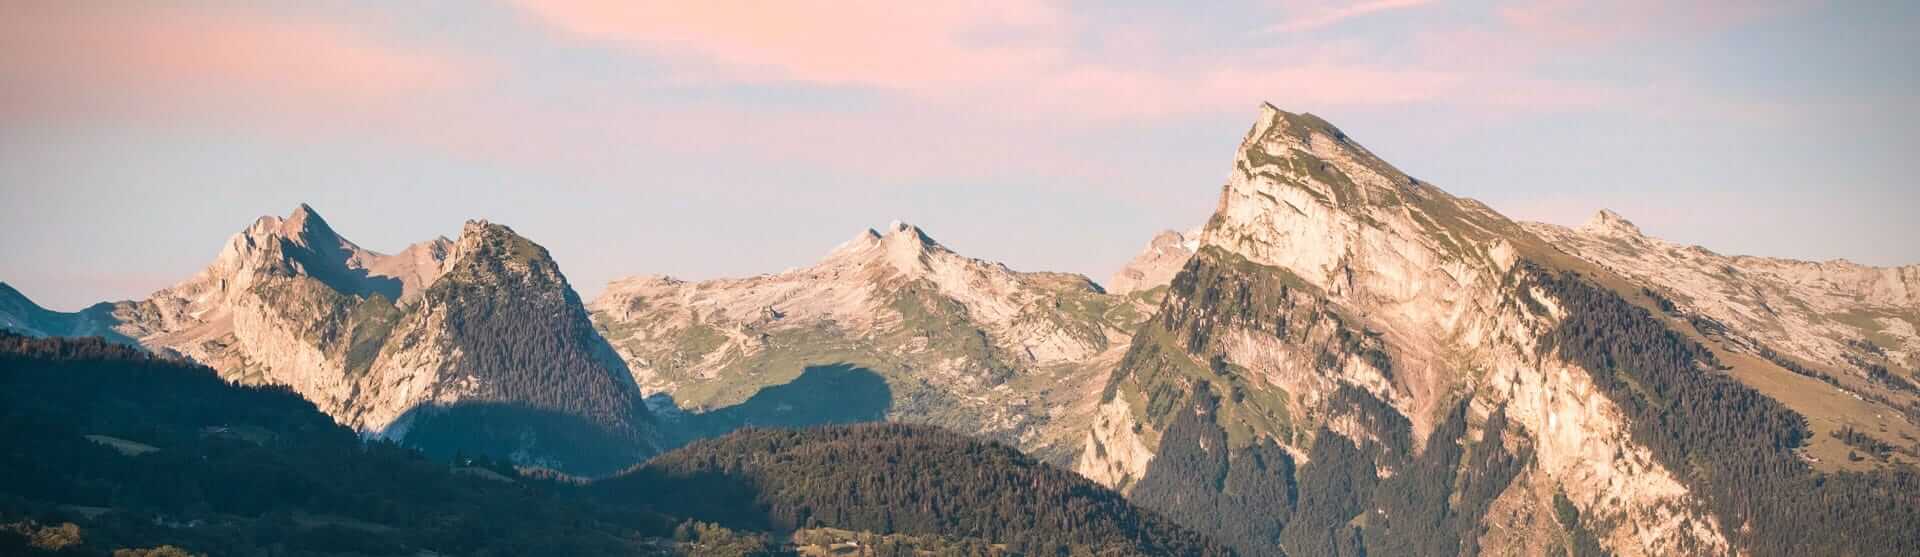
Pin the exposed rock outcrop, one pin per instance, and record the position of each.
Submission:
(380, 341)
(1333, 295)
(960, 342)
(1838, 315)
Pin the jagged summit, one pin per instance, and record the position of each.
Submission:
(1302, 127)
(494, 253)
(902, 246)
(905, 231)
(897, 230)
(304, 216)
(482, 231)
(1165, 255)
(381, 342)
(481, 225)
(1609, 223)
(302, 227)
(1305, 197)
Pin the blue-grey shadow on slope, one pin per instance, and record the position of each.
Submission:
(524, 435)
(822, 395)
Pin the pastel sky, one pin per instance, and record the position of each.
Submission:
(719, 138)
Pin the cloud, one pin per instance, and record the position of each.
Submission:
(1575, 22)
(900, 45)
(941, 87)
(73, 59)
(1331, 16)
(1024, 56)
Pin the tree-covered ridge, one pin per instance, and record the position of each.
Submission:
(892, 478)
(518, 326)
(107, 447)
(1243, 498)
(139, 451)
(544, 382)
(1732, 445)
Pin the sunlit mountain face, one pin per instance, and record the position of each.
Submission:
(1567, 278)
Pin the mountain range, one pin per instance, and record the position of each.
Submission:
(1342, 360)
(478, 340)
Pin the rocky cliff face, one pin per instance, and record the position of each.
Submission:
(1836, 314)
(1852, 327)
(381, 341)
(1442, 379)
(947, 340)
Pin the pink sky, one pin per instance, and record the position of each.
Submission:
(1073, 99)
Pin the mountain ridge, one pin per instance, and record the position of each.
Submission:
(1343, 360)
(1338, 310)
(962, 343)
(367, 336)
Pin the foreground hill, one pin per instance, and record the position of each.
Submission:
(897, 478)
(138, 452)
(483, 326)
(1355, 362)
(107, 447)
(891, 325)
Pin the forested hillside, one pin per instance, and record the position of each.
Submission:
(541, 383)
(107, 447)
(1733, 444)
(895, 478)
(141, 452)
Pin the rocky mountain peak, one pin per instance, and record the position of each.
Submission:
(498, 240)
(299, 244)
(1306, 151)
(482, 227)
(903, 233)
(482, 330)
(1337, 302)
(303, 227)
(489, 252)
(1610, 224)
(1156, 266)
(1305, 197)
(902, 246)
(305, 220)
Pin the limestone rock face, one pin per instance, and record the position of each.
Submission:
(1333, 295)
(1837, 315)
(1837, 341)
(958, 342)
(1157, 265)
(377, 340)
(287, 301)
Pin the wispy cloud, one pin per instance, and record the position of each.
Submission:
(81, 59)
(1027, 56)
(904, 45)
(1326, 17)
(1580, 22)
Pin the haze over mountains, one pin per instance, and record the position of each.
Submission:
(1342, 360)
